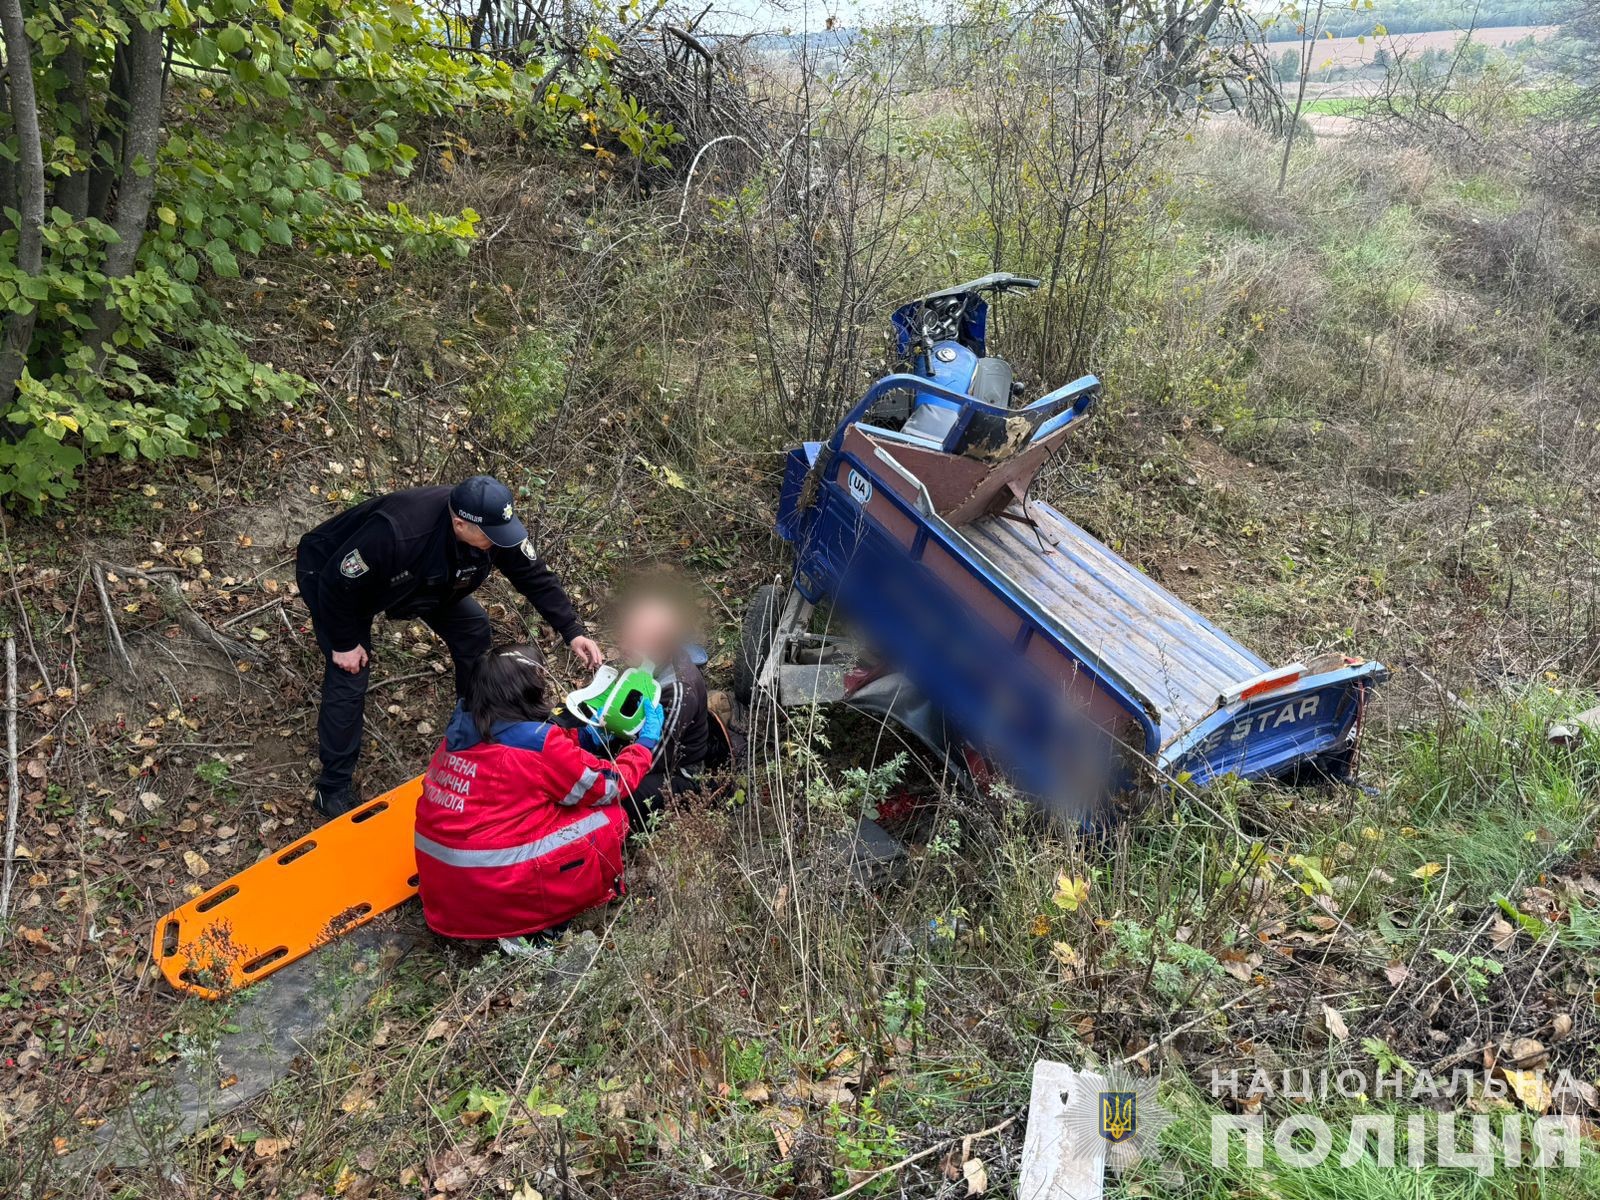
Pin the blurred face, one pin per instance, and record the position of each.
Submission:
(650, 629)
(469, 533)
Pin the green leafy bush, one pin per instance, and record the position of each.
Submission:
(176, 147)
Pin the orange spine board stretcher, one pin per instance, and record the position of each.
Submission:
(336, 878)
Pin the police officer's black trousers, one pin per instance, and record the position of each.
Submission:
(464, 626)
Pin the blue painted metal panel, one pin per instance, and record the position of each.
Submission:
(1140, 648)
(1313, 719)
(969, 670)
(955, 374)
(796, 466)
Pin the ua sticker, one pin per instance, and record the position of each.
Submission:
(353, 566)
(860, 487)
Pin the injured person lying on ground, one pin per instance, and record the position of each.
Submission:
(521, 823)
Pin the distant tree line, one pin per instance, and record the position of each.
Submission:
(1418, 16)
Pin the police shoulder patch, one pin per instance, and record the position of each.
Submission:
(353, 566)
(527, 549)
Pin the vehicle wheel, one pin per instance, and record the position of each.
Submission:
(755, 639)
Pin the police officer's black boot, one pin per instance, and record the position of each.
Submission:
(334, 802)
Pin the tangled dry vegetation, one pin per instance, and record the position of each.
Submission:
(1359, 415)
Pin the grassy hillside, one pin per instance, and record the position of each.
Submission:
(1358, 414)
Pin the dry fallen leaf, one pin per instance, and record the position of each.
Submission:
(756, 1093)
(976, 1175)
(1071, 892)
(1575, 1096)
(1335, 1023)
(1396, 973)
(842, 1058)
(195, 865)
(1531, 1088)
(1066, 956)
(669, 1132)
(831, 1090)
(356, 1100)
(1526, 1054)
(267, 1147)
(784, 1123)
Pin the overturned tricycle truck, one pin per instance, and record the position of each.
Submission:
(991, 626)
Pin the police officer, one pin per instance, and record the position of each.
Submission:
(417, 553)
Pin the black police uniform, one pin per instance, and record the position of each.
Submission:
(399, 555)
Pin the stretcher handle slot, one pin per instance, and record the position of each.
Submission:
(216, 898)
(366, 814)
(350, 916)
(294, 853)
(265, 960)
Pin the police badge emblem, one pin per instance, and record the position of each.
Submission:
(1119, 1116)
(1114, 1118)
(505, 513)
(353, 566)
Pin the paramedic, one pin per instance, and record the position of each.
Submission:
(520, 828)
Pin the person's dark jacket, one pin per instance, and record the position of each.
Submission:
(686, 733)
(397, 554)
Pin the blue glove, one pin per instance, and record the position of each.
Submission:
(650, 732)
(594, 739)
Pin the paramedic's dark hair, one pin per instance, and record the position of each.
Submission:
(507, 684)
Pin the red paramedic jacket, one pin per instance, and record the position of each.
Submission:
(522, 832)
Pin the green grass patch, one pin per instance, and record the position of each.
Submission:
(1339, 106)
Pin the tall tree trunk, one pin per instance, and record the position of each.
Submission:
(137, 184)
(8, 173)
(108, 139)
(30, 190)
(479, 23)
(72, 191)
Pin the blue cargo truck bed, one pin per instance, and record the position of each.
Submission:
(1064, 665)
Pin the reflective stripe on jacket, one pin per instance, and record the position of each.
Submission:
(520, 833)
